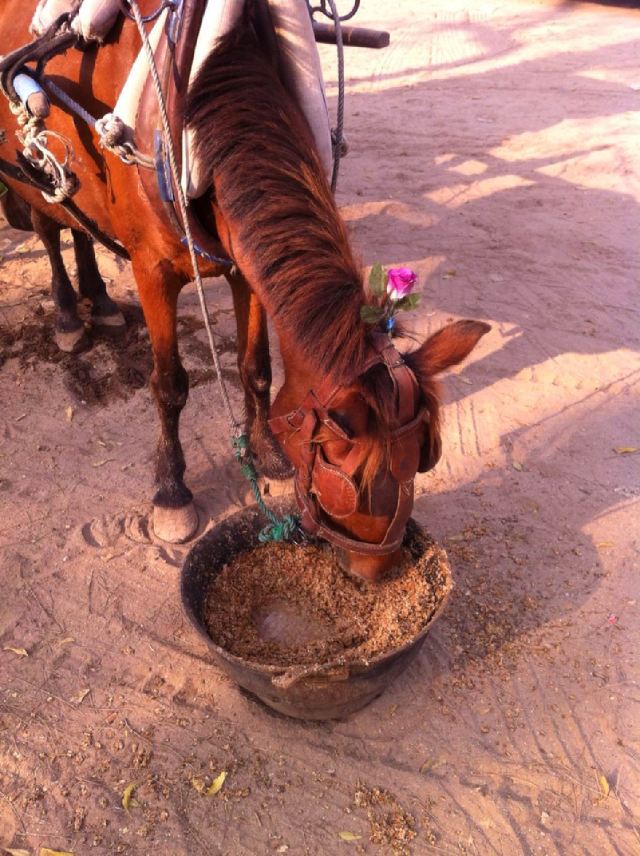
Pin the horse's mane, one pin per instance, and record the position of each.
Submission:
(269, 180)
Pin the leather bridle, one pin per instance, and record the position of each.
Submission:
(323, 488)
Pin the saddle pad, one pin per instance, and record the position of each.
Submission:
(94, 19)
(300, 63)
(217, 20)
(47, 11)
(302, 68)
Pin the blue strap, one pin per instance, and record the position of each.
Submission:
(205, 255)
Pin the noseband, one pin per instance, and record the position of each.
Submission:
(321, 486)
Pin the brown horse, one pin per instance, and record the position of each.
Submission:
(354, 419)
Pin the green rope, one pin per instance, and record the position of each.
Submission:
(3, 189)
(280, 528)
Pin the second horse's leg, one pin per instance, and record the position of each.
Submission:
(70, 334)
(254, 365)
(174, 515)
(17, 212)
(104, 313)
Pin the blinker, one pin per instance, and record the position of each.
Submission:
(335, 490)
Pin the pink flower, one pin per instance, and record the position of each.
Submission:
(400, 282)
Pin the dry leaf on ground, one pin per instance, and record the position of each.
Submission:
(603, 782)
(430, 764)
(44, 851)
(126, 796)
(216, 784)
(201, 787)
(21, 652)
(80, 696)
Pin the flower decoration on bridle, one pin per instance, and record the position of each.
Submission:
(392, 292)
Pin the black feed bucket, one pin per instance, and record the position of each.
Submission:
(320, 691)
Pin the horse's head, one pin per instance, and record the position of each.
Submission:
(357, 447)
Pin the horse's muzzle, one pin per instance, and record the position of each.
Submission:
(369, 568)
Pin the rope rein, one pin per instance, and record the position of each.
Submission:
(279, 529)
(337, 133)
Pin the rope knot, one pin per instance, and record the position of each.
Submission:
(110, 129)
(279, 528)
(284, 530)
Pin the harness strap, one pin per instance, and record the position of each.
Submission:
(405, 385)
(93, 229)
(26, 174)
(41, 49)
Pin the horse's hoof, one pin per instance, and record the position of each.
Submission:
(110, 325)
(72, 341)
(175, 525)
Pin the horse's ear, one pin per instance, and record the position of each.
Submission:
(446, 348)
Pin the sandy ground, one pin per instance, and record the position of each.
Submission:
(496, 152)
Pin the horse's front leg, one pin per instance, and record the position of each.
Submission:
(254, 365)
(174, 516)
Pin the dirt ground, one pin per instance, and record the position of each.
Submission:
(495, 151)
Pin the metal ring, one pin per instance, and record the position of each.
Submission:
(146, 19)
(323, 10)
